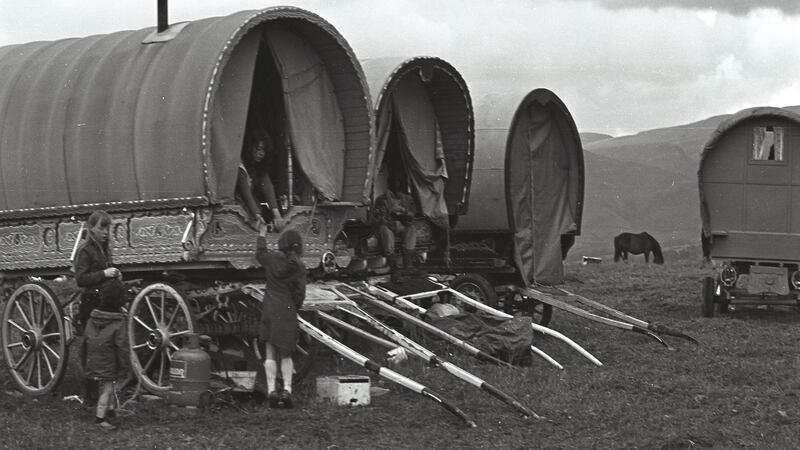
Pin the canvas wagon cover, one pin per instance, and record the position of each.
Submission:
(528, 178)
(430, 101)
(107, 120)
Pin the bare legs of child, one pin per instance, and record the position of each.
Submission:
(105, 405)
(277, 399)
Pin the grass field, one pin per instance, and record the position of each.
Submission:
(739, 389)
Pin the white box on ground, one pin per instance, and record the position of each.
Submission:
(352, 390)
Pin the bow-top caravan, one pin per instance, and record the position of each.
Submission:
(526, 202)
(749, 180)
(151, 125)
(424, 148)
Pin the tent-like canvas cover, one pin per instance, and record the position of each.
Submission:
(749, 206)
(528, 179)
(114, 122)
(428, 102)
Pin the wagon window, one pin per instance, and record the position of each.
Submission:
(768, 143)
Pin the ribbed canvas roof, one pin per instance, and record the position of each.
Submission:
(528, 178)
(495, 115)
(110, 121)
(453, 108)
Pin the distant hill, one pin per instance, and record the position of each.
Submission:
(673, 148)
(587, 138)
(644, 182)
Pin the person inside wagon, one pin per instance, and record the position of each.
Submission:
(393, 215)
(283, 297)
(254, 186)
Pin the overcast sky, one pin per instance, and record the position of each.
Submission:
(621, 66)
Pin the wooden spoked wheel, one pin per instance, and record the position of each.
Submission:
(476, 287)
(157, 320)
(34, 339)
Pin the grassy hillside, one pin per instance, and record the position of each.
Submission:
(644, 146)
(626, 196)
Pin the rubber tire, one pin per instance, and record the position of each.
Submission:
(472, 283)
(708, 297)
(543, 315)
(540, 313)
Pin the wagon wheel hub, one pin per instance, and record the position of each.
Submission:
(31, 339)
(157, 339)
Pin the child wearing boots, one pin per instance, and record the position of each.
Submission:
(283, 297)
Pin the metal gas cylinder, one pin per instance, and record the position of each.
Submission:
(189, 374)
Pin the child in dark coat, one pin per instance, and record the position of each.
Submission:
(283, 297)
(104, 346)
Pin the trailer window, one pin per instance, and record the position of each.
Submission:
(768, 143)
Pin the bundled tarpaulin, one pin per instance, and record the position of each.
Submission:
(425, 101)
(528, 179)
(748, 177)
(134, 119)
(506, 339)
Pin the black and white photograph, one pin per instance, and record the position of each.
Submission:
(353, 224)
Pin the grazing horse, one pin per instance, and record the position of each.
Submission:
(636, 244)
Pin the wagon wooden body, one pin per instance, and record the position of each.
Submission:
(749, 183)
(150, 127)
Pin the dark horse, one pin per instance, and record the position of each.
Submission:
(636, 244)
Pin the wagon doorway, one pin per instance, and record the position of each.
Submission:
(293, 107)
(410, 155)
(393, 173)
(540, 186)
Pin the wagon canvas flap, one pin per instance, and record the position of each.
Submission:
(423, 155)
(539, 175)
(439, 85)
(230, 116)
(315, 120)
